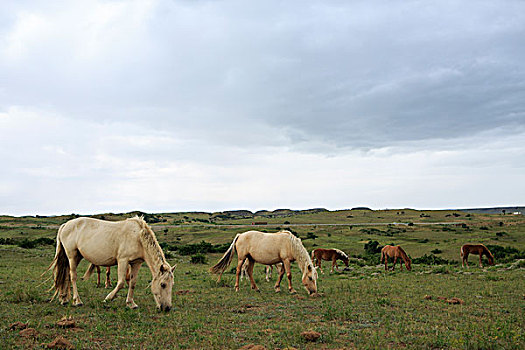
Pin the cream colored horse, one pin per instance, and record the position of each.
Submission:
(104, 243)
(269, 249)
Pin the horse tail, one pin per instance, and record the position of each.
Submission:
(60, 266)
(382, 255)
(462, 252)
(226, 258)
(89, 272)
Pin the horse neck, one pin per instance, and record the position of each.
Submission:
(299, 253)
(486, 251)
(402, 253)
(153, 254)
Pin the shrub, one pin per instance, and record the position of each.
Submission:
(198, 259)
(430, 259)
(436, 251)
(505, 254)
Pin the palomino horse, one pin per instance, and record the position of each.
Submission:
(478, 249)
(332, 255)
(123, 243)
(395, 252)
(269, 249)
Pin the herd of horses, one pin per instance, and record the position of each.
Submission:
(131, 242)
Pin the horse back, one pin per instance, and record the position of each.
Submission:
(265, 248)
(102, 242)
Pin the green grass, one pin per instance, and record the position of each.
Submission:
(364, 307)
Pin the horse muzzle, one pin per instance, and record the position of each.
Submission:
(165, 308)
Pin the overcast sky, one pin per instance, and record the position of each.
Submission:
(160, 106)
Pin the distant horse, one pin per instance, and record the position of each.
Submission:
(105, 243)
(269, 249)
(332, 255)
(395, 252)
(268, 269)
(89, 271)
(478, 249)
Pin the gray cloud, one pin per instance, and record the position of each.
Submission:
(118, 91)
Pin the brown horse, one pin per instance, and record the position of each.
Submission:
(478, 249)
(395, 252)
(320, 254)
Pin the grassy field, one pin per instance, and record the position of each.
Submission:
(363, 307)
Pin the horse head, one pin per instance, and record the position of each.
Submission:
(161, 287)
(310, 279)
(408, 263)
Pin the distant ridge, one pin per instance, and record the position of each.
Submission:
(495, 210)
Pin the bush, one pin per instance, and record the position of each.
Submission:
(505, 254)
(430, 259)
(199, 248)
(198, 259)
(436, 251)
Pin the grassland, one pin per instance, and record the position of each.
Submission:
(364, 307)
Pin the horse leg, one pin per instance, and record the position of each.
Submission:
(251, 264)
(240, 262)
(108, 279)
(334, 263)
(278, 283)
(98, 276)
(480, 255)
(401, 265)
(288, 268)
(73, 263)
(132, 281)
(395, 260)
(465, 259)
(319, 262)
(122, 266)
(269, 270)
(386, 263)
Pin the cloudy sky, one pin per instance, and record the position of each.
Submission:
(113, 106)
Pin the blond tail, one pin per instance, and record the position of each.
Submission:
(226, 259)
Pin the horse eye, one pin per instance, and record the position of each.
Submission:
(163, 285)
(310, 278)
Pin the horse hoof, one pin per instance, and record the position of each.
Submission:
(292, 291)
(133, 306)
(277, 290)
(78, 304)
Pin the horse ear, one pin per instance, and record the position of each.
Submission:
(173, 268)
(162, 268)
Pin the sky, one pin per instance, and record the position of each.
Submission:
(165, 106)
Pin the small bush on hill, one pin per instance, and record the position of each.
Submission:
(505, 254)
(198, 259)
(430, 259)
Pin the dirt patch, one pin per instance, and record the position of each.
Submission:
(60, 343)
(28, 333)
(184, 292)
(17, 326)
(455, 301)
(66, 322)
(311, 335)
(452, 300)
(252, 347)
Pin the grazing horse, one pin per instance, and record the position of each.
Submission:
(320, 254)
(269, 249)
(478, 249)
(105, 243)
(395, 252)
